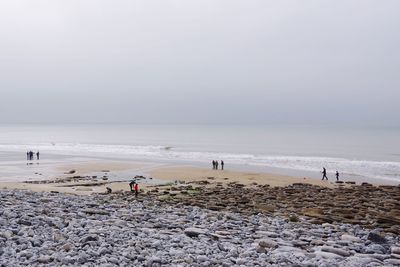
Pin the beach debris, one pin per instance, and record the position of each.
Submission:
(108, 190)
(71, 172)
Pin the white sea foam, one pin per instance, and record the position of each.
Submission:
(370, 169)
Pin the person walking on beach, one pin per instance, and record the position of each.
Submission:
(37, 155)
(324, 174)
(222, 165)
(136, 187)
(213, 163)
(27, 155)
(216, 164)
(337, 176)
(131, 184)
(30, 155)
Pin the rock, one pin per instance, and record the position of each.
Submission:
(268, 234)
(267, 243)
(88, 238)
(351, 238)
(317, 242)
(380, 257)
(24, 222)
(113, 260)
(261, 249)
(202, 258)
(44, 259)
(395, 250)
(221, 247)
(326, 255)
(25, 254)
(375, 248)
(96, 211)
(337, 251)
(68, 260)
(67, 247)
(194, 232)
(154, 260)
(57, 236)
(104, 251)
(6, 234)
(376, 238)
(82, 258)
(394, 262)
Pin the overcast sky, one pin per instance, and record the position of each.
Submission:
(216, 61)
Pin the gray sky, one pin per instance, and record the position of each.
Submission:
(217, 61)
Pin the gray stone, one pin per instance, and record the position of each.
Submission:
(337, 251)
(67, 247)
(351, 238)
(326, 255)
(375, 248)
(68, 260)
(45, 259)
(194, 232)
(202, 258)
(267, 243)
(89, 238)
(394, 262)
(376, 238)
(395, 250)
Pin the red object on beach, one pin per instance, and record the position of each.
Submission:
(136, 187)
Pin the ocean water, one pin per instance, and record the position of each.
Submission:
(303, 150)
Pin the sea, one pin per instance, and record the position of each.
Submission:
(296, 150)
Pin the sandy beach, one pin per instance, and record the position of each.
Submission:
(87, 177)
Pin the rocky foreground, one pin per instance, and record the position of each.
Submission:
(366, 205)
(39, 229)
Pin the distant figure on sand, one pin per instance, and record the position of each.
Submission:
(131, 184)
(324, 174)
(337, 176)
(216, 164)
(37, 155)
(27, 155)
(30, 155)
(222, 165)
(213, 163)
(136, 189)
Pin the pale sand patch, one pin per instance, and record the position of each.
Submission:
(85, 168)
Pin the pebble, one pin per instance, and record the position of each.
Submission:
(350, 238)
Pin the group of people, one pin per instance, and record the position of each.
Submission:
(216, 164)
(30, 155)
(134, 187)
(326, 177)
